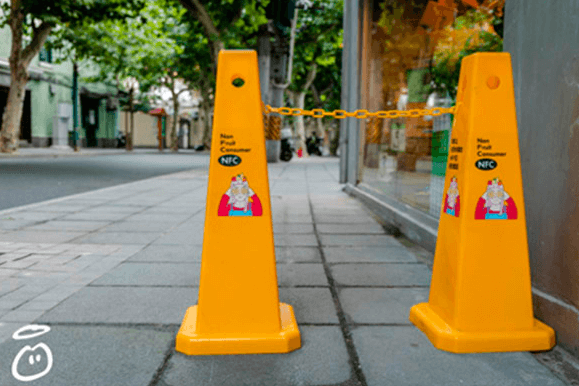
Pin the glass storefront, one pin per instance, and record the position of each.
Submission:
(419, 49)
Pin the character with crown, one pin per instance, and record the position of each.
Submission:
(495, 203)
(240, 199)
(452, 202)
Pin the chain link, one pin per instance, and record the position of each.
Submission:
(360, 114)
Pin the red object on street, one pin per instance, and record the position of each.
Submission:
(300, 152)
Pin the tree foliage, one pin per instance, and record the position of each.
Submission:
(474, 29)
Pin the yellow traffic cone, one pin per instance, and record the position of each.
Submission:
(480, 295)
(238, 310)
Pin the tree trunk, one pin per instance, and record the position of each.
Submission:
(174, 138)
(13, 113)
(299, 102)
(299, 99)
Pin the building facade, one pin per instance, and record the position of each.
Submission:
(48, 102)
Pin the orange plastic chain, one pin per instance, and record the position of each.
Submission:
(361, 114)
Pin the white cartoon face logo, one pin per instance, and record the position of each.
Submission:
(32, 363)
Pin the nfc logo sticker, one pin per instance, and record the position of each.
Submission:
(486, 164)
(229, 160)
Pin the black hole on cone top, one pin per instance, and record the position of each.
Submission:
(238, 82)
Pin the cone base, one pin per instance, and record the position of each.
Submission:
(444, 337)
(192, 343)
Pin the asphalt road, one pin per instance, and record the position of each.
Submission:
(29, 180)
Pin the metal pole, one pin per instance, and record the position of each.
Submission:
(353, 89)
(343, 144)
(264, 55)
(74, 106)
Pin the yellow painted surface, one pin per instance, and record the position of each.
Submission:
(480, 294)
(238, 310)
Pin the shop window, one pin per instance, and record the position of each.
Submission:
(45, 55)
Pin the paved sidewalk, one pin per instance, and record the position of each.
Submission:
(43, 152)
(113, 271)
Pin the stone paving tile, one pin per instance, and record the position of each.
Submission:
(357, 240)
(114, 210)
(10, 225)
(84, 216)
(297, 255)
(380, 305)
(124, 305)
(58, 292)
(293, 228)
(322, 360)
(138, 226)
(311, 305)
(7, 272)
(152, 274)
(296, 218)
(289, 240)
(23, 316)
(61, 208)
(169, 254)
(11, 304)
(341, 219)
(291, 275)
(117, 356)
(30, 215)
(364, 228)
(188, 208)
(154, 217)
(41, 236)
(69, 225)
(103, 237)
(368, 255)
(38, 305)
(403, 356)
(180, 237)
(381, 274)
(6, 331)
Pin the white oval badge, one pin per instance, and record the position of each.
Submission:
(34, 329)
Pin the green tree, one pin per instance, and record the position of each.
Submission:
(227, 23)
(37, 19)
(445, 68)
(137, 54)
(317, 55)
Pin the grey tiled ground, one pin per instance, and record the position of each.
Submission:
(409, 359)
(298, 254)
(381, 275)
(91, 356)
(322, 360)
(113, 272)
(380, 305)
(152, 274)
(369, 255)
(154, 305)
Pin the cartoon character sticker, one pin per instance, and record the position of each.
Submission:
(452, 199)
(495, 203)
(240, 199)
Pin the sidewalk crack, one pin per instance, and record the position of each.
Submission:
(344, 326)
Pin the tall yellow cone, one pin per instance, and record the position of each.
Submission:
(480, 295)
(238, 310)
